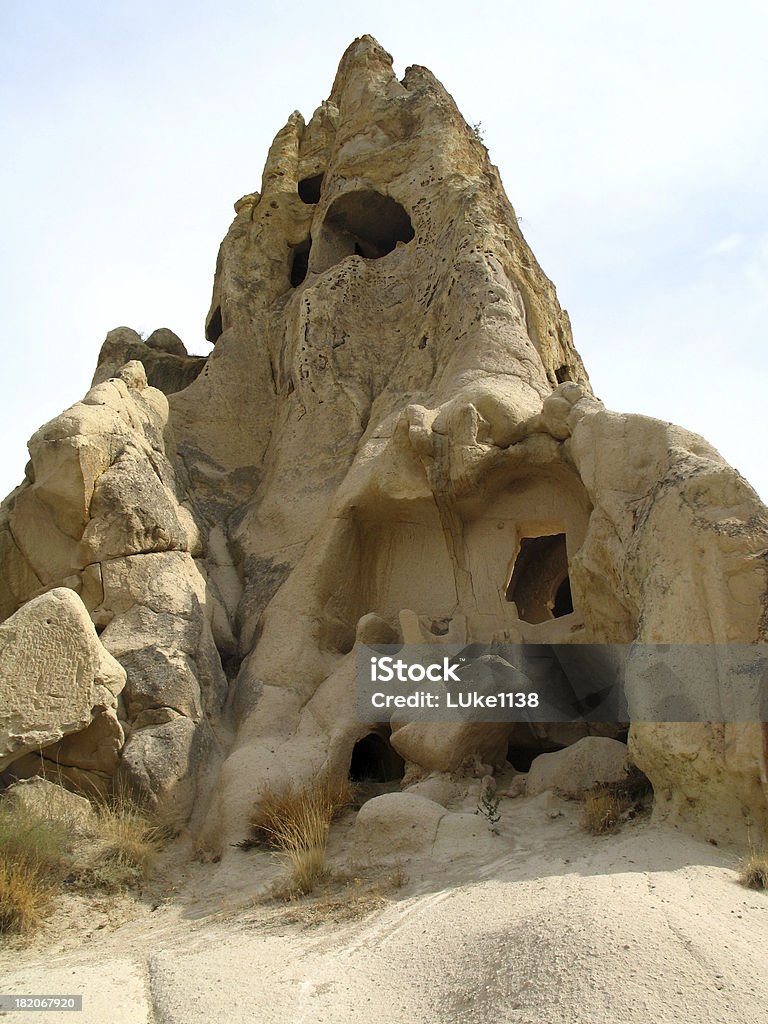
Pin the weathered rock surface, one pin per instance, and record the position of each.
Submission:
(56, 678)
(102, 514)
(396, 825)
(168, 365)
(394, 440)
(41, 799)
(569, 772)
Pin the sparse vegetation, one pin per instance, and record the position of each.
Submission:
(33, 839)
(603, 810)
(25, 897)
(754, 868)
(477, 131)
(126, 841)
(45, 843)
(34, 859)
(609, 804)
(488, 807)
(341, 896)
(296, 822)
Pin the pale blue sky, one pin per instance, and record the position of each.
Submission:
(631, 138)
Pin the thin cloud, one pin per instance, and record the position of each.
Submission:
(724, 246)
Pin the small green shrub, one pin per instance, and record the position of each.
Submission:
(488, 807)
(477, 131)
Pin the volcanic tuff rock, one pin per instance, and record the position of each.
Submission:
(393, 439)
(570, 771)
(56, 679)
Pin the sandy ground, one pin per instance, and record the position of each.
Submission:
(539, 925)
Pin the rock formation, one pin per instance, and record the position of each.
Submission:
(60, 686)
(394, 439)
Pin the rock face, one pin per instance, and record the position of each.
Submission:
(57, 679)
(100, 514)
(165, 359)
(394, 439)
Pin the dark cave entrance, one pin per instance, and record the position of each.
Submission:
(310, 188)
(374, 760)
(540, 585)
(300, 262)
(524, 746)
(582, 694)
(364, 223)
(213, 330)
(563, 603)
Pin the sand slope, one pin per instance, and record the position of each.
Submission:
(647, 926)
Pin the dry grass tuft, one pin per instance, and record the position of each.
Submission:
(125, 843)
(25, 897)
(296, 822)
(45, 842)
(754, 869)
(342, 897)
(609, 804)
(603, 811)
(34, 859)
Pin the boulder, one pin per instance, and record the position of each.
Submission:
(396, 825)
(41, 799)
(164, 340)
(56, 678)
(164, 357)
(572, 770)
(94, 749)
(439, 787)
(161, 763)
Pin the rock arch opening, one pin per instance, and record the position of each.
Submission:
(540, 585)
(375, 760)
(310, 189)
(364, 223)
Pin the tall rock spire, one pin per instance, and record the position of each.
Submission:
(394, 440)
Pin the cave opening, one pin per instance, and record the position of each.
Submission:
(310, 188)
(562, 374)
(582, 694)
(523, 750)
(367, 223)
(540, 585)
(563, 603)
(525, 744)
(375, 760)
(300, 262)
(213, 330)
